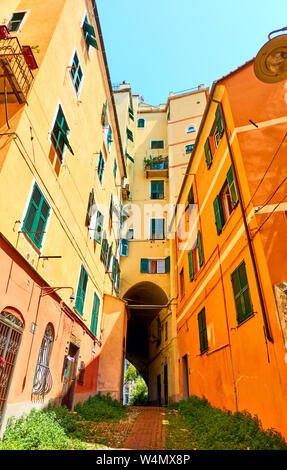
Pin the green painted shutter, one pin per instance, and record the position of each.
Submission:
(167, 264)
(124, 250)
(202, 331)
(114, 268)
(90, 207)
(219, 215)
(95, 314)
(131, 158)
(190, 196)
(190, 265)
(90, 35)
(241, 291)
(131, 113)
(200, 253)
(130, 135)
(104, 114)
(208, 154)
(36, 217)
(104, 250)
(144, 265)
(232, 186)
(219, 121)
(81, 292)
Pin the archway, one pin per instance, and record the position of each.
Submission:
(145, 301)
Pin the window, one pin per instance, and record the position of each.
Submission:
(95, 314)
(76, 72)
(213, 140)
(157, 229)
(115, 168)
(157, 144)
(105, 114)
(141, 123)
(189, 148)
(201, 318)
(104, 250)
(157, 189)
(190, 129)
(190, 196)
(131, 114)
(36, 217)
(91, 207)
(124, 248)
(15, 21)
(43, 380)
(130, 234)
(101, 167)
(109, 138)
(225, 202)
(155, 266)
(59, 134)
(195, 258)
(81, 292)
(89, 34)
(181, 283)
(130, 135)
(241, 293)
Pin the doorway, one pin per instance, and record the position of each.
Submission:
(185, 377)
(70, 372)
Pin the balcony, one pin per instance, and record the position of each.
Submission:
(156, 167)
(16, 77)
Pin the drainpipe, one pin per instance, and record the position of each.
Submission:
(262, 304)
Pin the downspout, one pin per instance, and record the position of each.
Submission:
(262, 305)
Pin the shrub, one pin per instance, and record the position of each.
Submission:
(140, 395)
(100, 408)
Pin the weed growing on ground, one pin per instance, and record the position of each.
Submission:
(214, 429)
(101, 408)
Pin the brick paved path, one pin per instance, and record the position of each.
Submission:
(148, 432)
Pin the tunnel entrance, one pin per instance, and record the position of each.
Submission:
(145, 301)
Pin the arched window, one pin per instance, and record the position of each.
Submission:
(191, 128)
(141, 123)
(43, 379)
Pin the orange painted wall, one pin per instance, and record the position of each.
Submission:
(240, 366)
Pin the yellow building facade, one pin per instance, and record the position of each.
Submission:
(61, 169)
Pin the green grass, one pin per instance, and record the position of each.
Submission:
(56, 428)
(195, 424)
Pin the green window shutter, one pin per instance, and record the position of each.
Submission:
(81, 292)
(99, 227)
(157, 190)
(232, 186)
(202, 331)
(219, 121)
(131, 113)
(36, 217)
(168, 113)
(208, 154)
(131, 158)
(109, 256)
(243, 303)
(90, 35)
(190, 196)
(144, 265)
(101, 167)
(167, 264)
(190, 265)
(114, 268)
(104, 250)
(124, 250)
(130, 135)
(200, 253)
(104, 113)
(90, 207)
(95, 315)
(59, 134)
(219, 215)
(115, 168)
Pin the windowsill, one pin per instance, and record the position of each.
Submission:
(28, 239)
(246, 320)
(203, 352)
(226, 222)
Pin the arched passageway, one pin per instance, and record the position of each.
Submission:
(145, 301)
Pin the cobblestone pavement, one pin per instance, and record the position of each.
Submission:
(148, 431)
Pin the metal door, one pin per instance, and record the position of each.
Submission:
(11, 329)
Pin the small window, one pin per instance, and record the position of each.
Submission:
(195, 258)
(157, 189)
(59, 134)
(95, 314)
(225, 202)
(203, 340)
(214, 138)
(99, 227)
(131, 114)
(101, 167)
(141, 123)
(81, 291)
(124, 247)
(241, 293)
(130, 135)
(157, 229)
(130, 234)
(36, 217)
(189, 148)
(190, 129)
(155, 266)
(16, 20)
(115, 168)
(181, 283)
(157, 144)
(76, 72)
(89, 34)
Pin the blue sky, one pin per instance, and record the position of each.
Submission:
(160, 46)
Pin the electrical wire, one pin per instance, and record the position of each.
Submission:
(270, 197)
(259, 228)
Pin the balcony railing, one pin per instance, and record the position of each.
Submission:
(15, 74)
(156, 166)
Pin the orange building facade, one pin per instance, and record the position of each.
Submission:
(231, 252)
